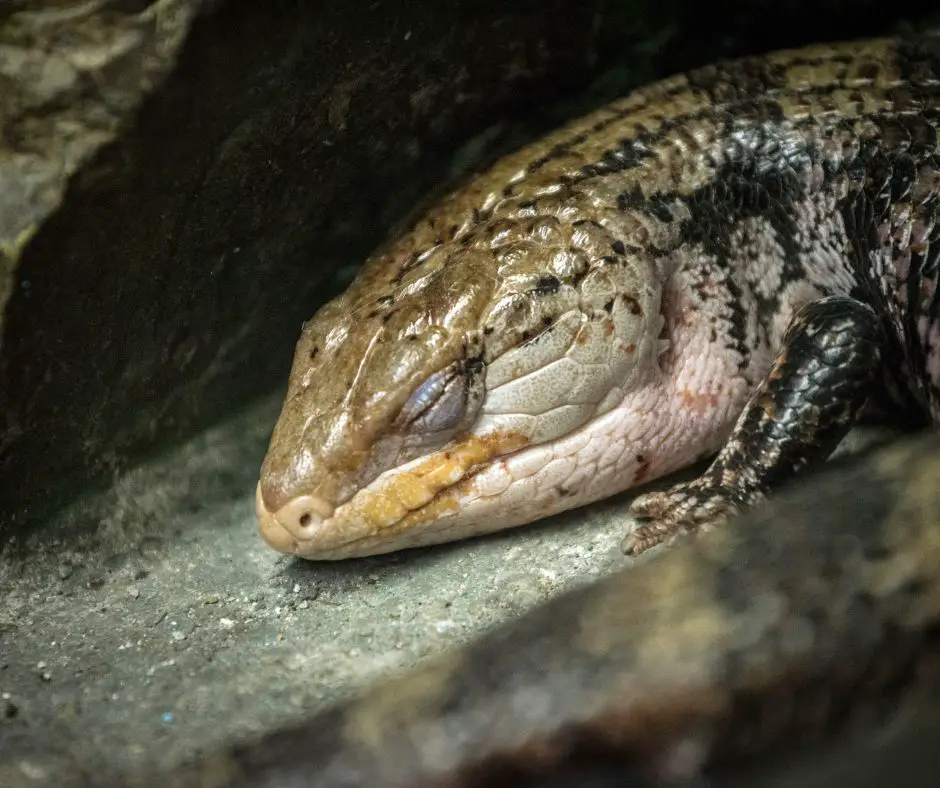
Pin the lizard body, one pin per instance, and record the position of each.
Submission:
(733, 260)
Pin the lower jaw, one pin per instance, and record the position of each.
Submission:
(396, 509)
(455, 515)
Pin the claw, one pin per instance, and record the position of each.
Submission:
(686, 508)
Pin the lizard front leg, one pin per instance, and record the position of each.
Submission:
(820, 381)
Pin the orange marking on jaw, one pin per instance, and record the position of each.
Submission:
(413, 492)
(381, 510)
(445, 503)
(411, 496)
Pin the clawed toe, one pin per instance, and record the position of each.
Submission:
(683, 509)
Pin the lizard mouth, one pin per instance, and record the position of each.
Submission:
(408, 498)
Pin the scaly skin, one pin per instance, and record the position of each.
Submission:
(733, 258)
(758, 637)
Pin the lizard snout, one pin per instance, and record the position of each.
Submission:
(297, 521)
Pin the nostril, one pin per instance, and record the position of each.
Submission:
(304, 515)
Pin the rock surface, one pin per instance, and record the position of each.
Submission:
(201, 634)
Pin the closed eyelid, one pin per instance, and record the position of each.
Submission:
(423, 397)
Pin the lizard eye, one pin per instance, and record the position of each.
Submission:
(438, 404)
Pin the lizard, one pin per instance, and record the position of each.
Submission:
(739, 262)
(757, 242)
(761, 637)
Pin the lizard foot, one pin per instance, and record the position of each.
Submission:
(665, 516)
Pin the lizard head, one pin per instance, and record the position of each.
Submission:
(433, 367)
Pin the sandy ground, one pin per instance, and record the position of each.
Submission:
(172, 628)
(174, 625)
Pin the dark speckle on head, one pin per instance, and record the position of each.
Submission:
(633, 305)
(618, 247)
(474, 365)
(547, 285)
